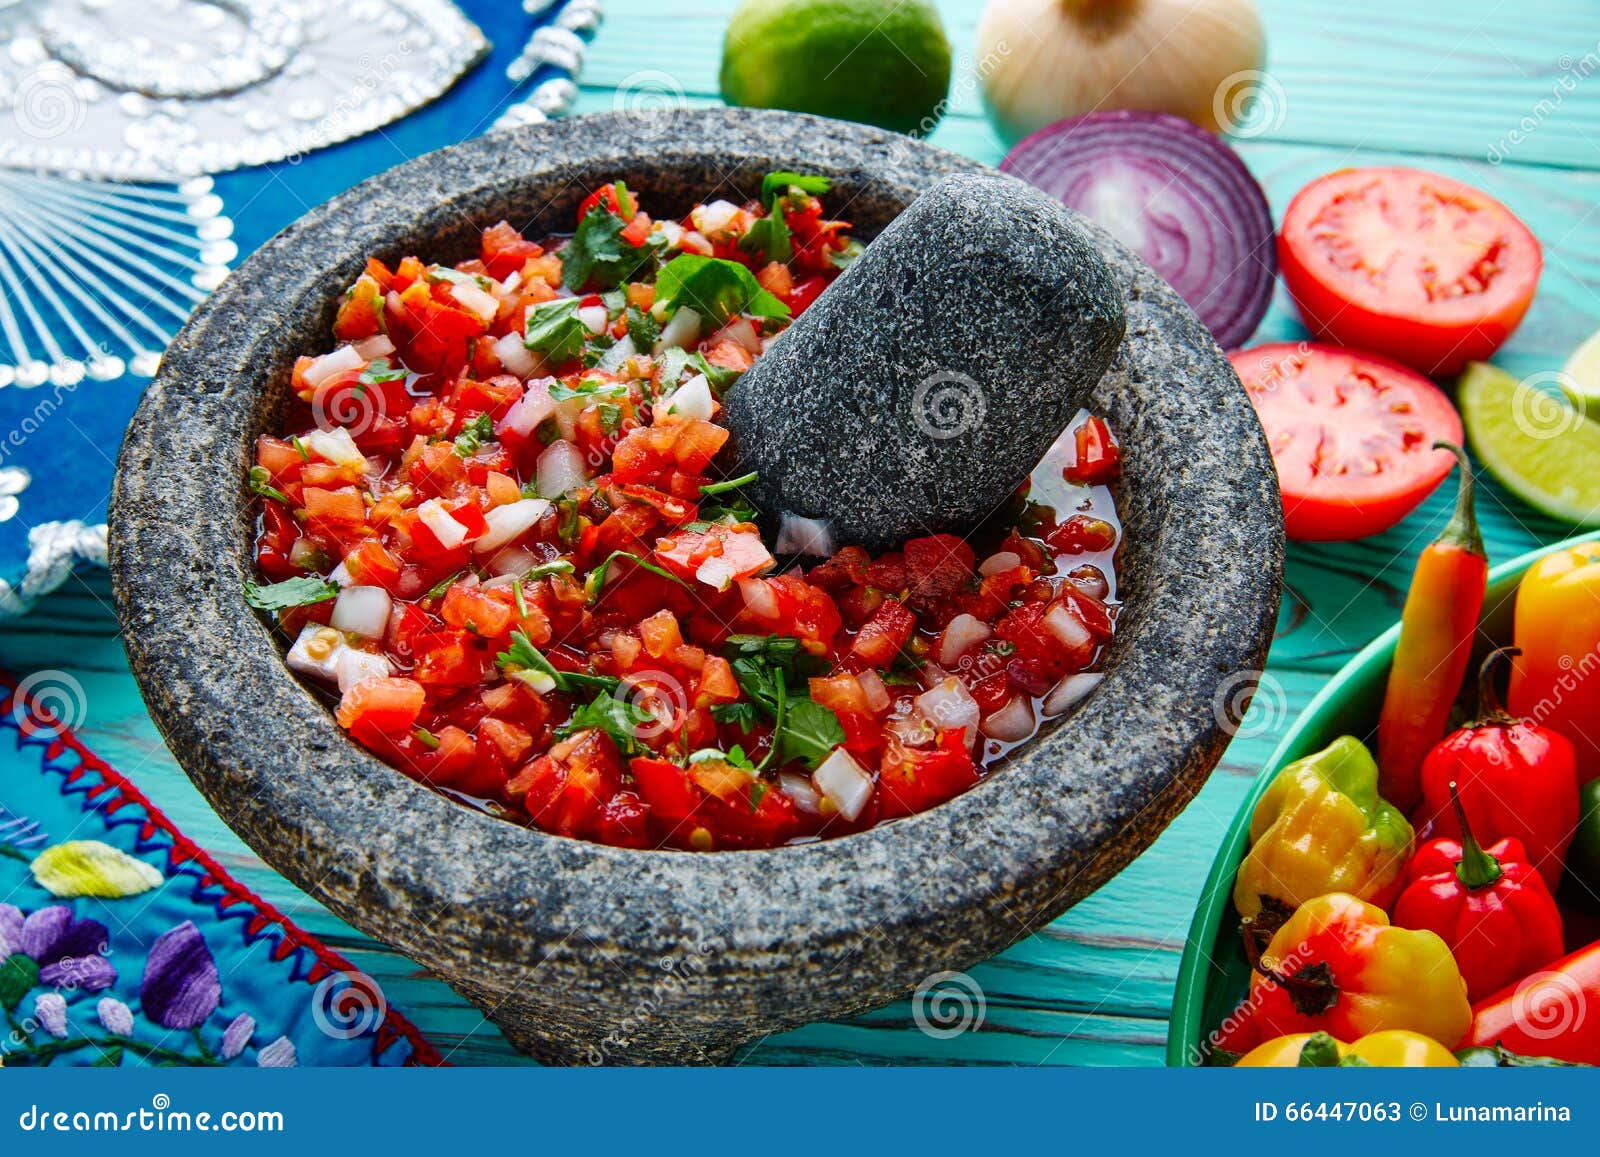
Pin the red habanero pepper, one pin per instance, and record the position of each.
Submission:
(1548, 1014)
(1437, 625)
(1519, 779)
(1488, 904)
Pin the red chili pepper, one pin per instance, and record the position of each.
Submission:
(1519, 779)
(1436, 630)
(1552, 1013)
(1488, 904)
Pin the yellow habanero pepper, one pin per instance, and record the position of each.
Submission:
(1322, 827)
(1558, 632)
(1386, 1049)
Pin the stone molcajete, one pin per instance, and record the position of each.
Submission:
(919, 391)
(582, 952)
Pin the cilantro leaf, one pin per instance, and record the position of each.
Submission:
(295, 592)
(610, 417)
(586, 388)
(522, 658)
(776, 184)
(742, 713)
(618, 718)
(598, 256)
(846, 257)
(555, 566)
(675, 361)
(810, 731)
(643, 329)
(261, 483)
(729, 484)
(770, 237)
(715, 289)
(473, 435)
(597, 578)
(379, 370)
(554, 330)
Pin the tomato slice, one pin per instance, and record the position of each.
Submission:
(1424, 269)
(1351, 435)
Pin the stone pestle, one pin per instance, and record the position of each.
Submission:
(917, 393)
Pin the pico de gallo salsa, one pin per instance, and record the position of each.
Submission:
(495, 522)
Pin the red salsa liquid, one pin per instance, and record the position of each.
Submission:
(492, 525)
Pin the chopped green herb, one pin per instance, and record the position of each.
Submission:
(742, 714)
(438, 589)
(300, 447)
(525, 662)
(616, 300)
(567, 523)
(545, 569)
(596, 581)
(618, 718)
(473, 435)
(610, 417)
(775, 184)
(587, 388)
(758, 792)
(715, 289)
(675, 361)
(522, 603)
(443, 273)
(643, 329)
(380, 371)
(729, 484)
(733, 757)
(764, 666)
(261, 483)
(554, 330)
(846, 257)
(770, 237)
(598, 257)
(809, 732)
(427, 738)
(295, 592)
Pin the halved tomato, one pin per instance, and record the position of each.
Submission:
(1422, 268)
(1352, 436)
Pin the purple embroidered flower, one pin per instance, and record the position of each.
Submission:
(70, 953)
(181, 987)
(51, 1011)
(237, 1035)
(115, 1016)
(280, 1054)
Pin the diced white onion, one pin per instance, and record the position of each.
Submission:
(759, 598)
(962, 634)
(529, 411)
(877, 694)
(517, 358)
(336, 446)
(342, 359)
(799, 789)
(341, 575)
(950, 704)
(513, 560)
(594, 317)
(376, 346)
(508, 522)
(561, 468)
(715, 217)
(513, 279)
(475, 300)
(1070, 691)
(1067, 628)
(672, 231)
(357, 666)
(812, 537)
(611, 361)
(694, 399)
(305, 554)
(682, 331)
(362, 611)
(302, 659)
(1012, 723)
(716, 572)
(1000, 563)
(741, 330)
(843, 783)
(445, 528)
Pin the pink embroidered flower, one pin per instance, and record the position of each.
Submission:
(280, 1054)
(114, 1016)
(237, 1035)
(51, 1011)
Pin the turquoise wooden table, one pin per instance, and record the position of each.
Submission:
(1501, 95)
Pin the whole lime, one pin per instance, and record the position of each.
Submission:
(882, 62)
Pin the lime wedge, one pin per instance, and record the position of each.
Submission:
(1534, 440)
(1580, 377)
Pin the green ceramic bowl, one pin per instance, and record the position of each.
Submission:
(1214, 974)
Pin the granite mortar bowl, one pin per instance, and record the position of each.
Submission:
(585, 953)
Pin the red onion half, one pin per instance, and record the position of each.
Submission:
(1175, 194)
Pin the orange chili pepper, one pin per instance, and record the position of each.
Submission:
(1436, 629)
